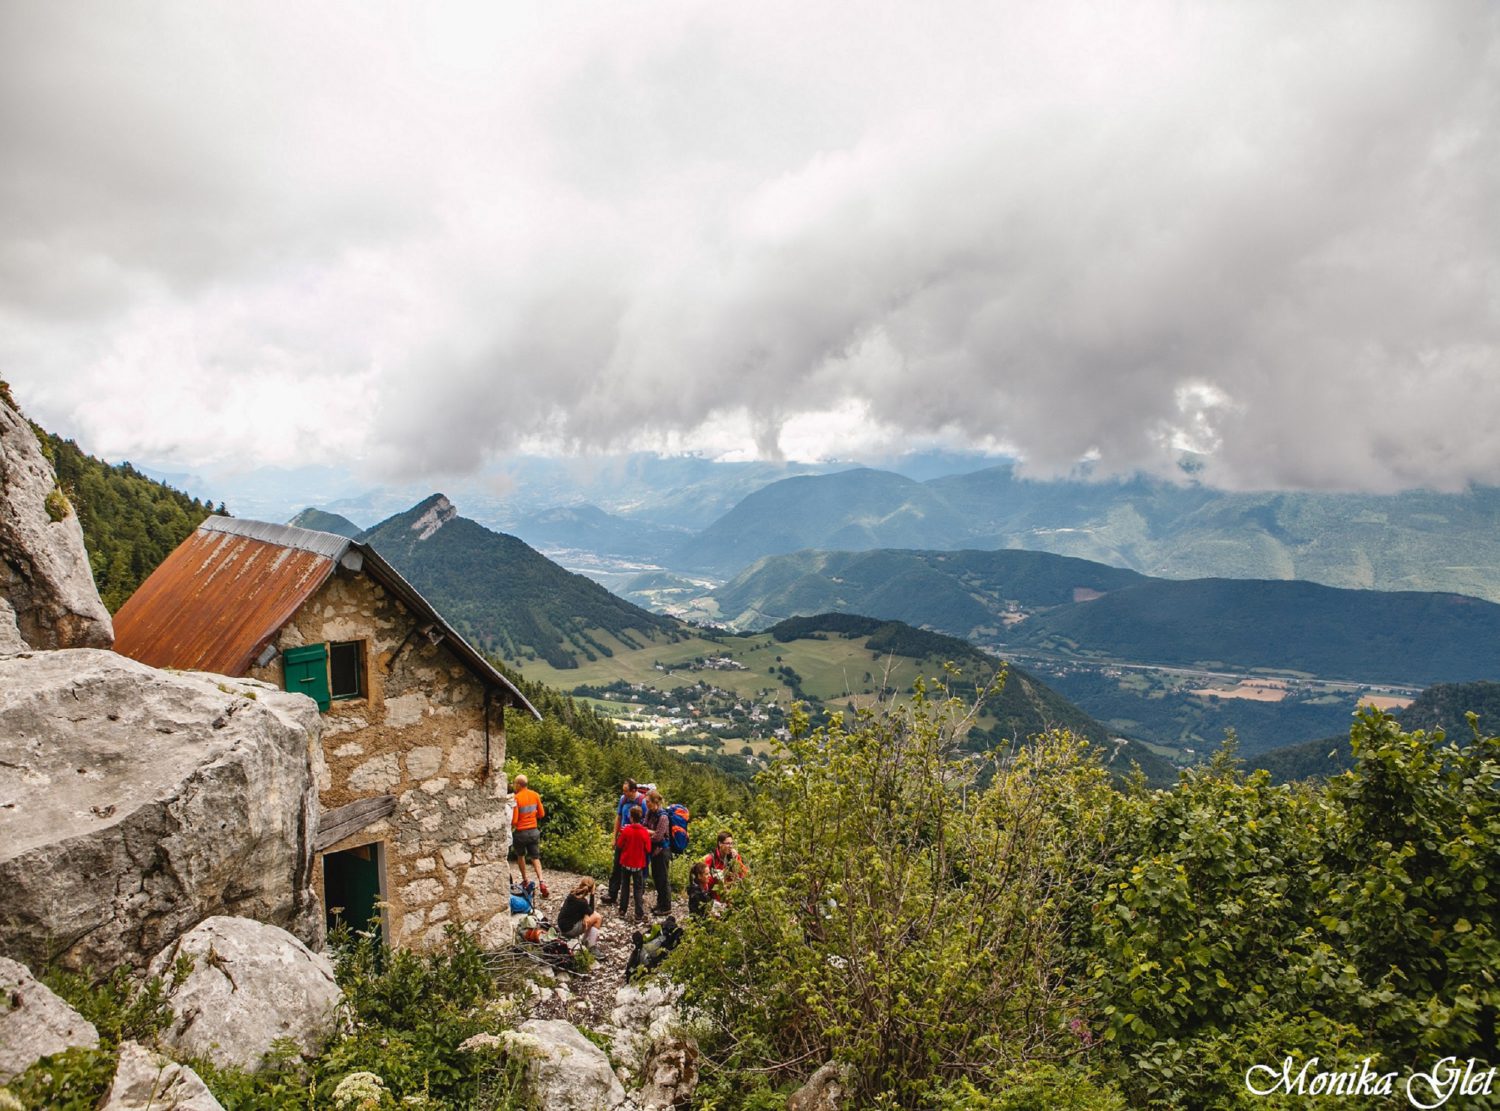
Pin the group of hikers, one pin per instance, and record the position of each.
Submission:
(647, 834)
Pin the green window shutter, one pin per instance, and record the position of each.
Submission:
(306, 671)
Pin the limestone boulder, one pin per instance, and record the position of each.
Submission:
(251, 985)
(45, 577)
(669, 1076)
(10, 634)
(135, 802)
(825, 1090)
(146, 1081)
(567, 1072)
(34, 1022)
(648, 1042)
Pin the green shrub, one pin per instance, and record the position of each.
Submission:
(409, 1015)
(58, 506)
(1240, 922)
(74, 1080)
(900, 918)
(122, 1006)
(1035, 1085)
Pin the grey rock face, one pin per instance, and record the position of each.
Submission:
(670, 1075)
(44, 570)
(567, 1072)
(251, 984)
(34, 1022)
(136, 802)
(647, 1041)
(10, 634)
(825, 1090)
(146, 1080)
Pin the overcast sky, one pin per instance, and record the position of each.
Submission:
(411, 238)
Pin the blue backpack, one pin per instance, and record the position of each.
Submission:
(678, 816)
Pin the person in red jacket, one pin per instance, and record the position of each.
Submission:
(634, 843)
(526, 837)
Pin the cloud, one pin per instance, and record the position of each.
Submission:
(418, 239)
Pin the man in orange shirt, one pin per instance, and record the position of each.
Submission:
(526, 838)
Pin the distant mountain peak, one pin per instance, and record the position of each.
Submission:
(322, 521)
(432, 515)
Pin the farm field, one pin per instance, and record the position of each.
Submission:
(729, 694)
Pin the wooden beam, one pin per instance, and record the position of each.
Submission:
(339, 823)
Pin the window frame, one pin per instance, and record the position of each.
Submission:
(361, 687)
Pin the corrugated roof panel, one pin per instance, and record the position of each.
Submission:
(219, 597)
(287, 536)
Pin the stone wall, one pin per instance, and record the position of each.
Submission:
(418, 734)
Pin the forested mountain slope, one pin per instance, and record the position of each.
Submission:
(510, 599)
(1046, 602)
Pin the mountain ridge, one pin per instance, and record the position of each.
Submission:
(1173, 530)
(500, 591)
(1009, 598)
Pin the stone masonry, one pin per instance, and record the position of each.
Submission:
(419, 734)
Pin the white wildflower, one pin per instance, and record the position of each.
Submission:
(481, 1041)
(359, 1091)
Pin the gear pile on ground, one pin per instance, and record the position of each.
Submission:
(588, 999)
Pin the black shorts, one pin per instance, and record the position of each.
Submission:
(527, 841)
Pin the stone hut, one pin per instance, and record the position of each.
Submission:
(415, 826)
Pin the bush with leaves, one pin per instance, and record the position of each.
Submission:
(410, 1014)
(1241, 922)
(409, 1017)
(1409, 888)
(901, 918)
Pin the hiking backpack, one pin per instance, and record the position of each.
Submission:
(678, 816)
(650, 949)
(530, 928)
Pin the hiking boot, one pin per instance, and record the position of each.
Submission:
(542, 887)
(659, 911)
(607, 901)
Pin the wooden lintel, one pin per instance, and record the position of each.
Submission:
(339, 823)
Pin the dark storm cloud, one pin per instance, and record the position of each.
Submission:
(1262, 233)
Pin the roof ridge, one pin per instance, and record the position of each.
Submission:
(328, 544)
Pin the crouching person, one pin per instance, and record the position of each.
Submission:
(577, 918)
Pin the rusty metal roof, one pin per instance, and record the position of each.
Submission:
(217, 600)
(222, 596)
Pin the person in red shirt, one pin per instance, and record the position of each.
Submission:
(634, 843)
(724, 864)
(526, 838)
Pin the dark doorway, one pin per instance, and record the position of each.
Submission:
(351, 887)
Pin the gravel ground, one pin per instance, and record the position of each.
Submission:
(589, 998)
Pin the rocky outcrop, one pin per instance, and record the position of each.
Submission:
(825, 1090)
(647, 1041)
(669, 1076)
(44, 571)
(136, 802)
(10, 634)
(35, 1023)
(567, 1072)
(251, 984)
(146, 1081)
